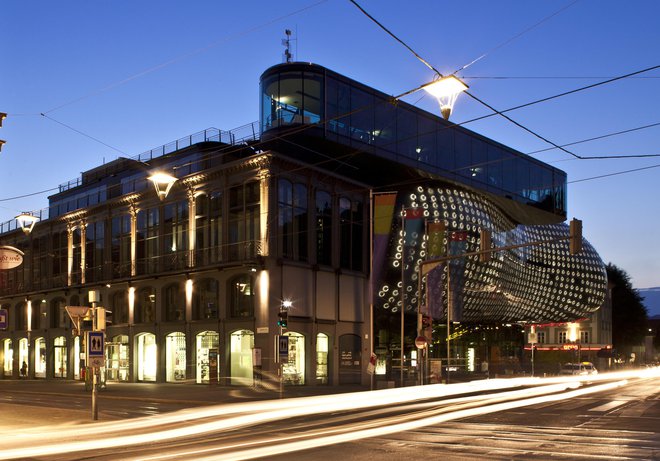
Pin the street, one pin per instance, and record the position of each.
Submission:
(609, 416)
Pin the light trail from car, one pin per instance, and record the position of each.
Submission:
(223, 418)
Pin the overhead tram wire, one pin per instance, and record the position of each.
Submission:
(498, 112)
(515, 37)
(598, 137)
(83, 134)
(358, 151)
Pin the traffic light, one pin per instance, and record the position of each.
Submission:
(426, 321)
(575, 236)
(486, 244)
(282, 322)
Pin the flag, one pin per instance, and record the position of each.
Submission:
(457, 247)
(413, 223)
(383, 213)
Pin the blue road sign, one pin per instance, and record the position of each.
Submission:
(283, 347)
(4, 319)
(95, 347)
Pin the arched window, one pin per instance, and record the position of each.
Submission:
(292, 205)
(241, 344)
(147, 357)
(173, 303)
(145, 305)
(20, 314)
(119, 306)
(351, 239)
(323, 228)
(58, 315)
(175, 357)
(205, 299)
(241, 296)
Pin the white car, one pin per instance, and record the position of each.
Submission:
(582, 368)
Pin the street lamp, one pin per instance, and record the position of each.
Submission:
(27, 222)
(446, 90)
(163, 182)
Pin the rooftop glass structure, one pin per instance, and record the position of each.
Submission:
(352, 114)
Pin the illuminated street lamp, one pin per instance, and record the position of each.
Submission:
(163, 182)
(27, 222)
(446, 90)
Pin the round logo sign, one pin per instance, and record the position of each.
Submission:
(10, 257)
(420, 342)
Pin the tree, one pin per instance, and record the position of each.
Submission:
(629, 316)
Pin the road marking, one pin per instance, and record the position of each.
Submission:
(609, 406)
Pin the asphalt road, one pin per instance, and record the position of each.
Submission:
(610, 419)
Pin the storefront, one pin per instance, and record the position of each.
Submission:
(322, 347)
(147, 357)
(117, 361)
(40, 358)
(60, 357)
(207, 357)
(293, 370)
(242, 343)
(175, 357)
(7, 358)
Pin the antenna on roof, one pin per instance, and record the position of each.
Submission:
(286, 57)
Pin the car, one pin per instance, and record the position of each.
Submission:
(582, 368)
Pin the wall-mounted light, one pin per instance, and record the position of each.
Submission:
(27, 222)
(163, 182)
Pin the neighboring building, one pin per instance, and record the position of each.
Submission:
(585, 340)
(197, 282)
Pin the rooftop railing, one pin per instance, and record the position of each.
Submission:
(239, 135)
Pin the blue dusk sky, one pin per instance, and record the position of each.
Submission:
(117, 78)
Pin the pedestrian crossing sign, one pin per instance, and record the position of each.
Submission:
(95, 348)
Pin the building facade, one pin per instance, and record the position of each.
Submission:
(270, 224)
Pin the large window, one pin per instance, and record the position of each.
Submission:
(323, 228)
(350, 214)
(119, 302)
(145, 306)
(76, 267)
(288, 98)
(241, 296)
(94, 248)
(120, 246)
(173, 303)
(292, 205)
(205, 299)
(147, 241)
(58, 316)
(175, 235)
(244, 221)
(60, 257)
(208, 241)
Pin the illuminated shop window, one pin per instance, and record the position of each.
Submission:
(322, 358)
(147, 357)
(7, 357)
(207, 349)
(60, 357)
(242, 343)
(175, 357)
(293, 370)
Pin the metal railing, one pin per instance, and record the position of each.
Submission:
(236, 136)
